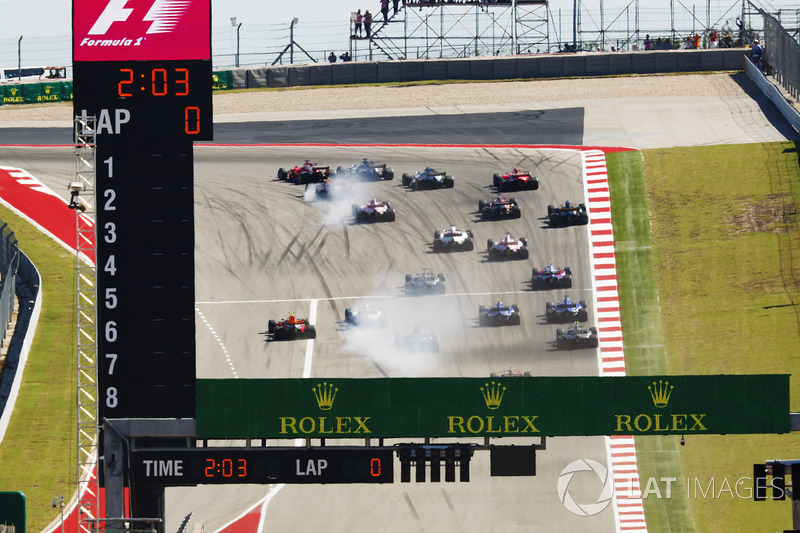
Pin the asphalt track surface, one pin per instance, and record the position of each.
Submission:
(262, 251)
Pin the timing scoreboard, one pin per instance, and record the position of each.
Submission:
(211, 466)
(143, 69)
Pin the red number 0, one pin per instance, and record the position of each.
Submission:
(375, 467)
(187, 112)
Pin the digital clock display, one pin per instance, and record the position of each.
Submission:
(157, 100)
(200, 466)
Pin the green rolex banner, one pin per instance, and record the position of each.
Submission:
(491, 407)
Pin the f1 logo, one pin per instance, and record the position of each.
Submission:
(164, 15)
(115, 11)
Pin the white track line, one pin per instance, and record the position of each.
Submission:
(620, 449)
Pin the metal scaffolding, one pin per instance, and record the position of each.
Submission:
(82, 201)
(448, 29)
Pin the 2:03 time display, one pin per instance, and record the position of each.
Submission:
(226, 468)
(156, 82)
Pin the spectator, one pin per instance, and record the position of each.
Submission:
(358, 18)
(367, 23)
(385, 10)
(648, 42)
(757, 54)
(394, 6)
(345, 57)
(695, 41)
(727, 40)
(712, 38)
(332, 58)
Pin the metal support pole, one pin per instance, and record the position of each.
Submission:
(238, 27)
(19, 58)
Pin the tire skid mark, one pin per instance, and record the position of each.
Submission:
(288, 249)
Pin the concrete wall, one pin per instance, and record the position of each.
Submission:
(491, 68)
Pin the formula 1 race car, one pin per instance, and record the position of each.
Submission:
(511, 373)
(566, 311)
(428, 179)
(499, 314)
(453, 239)
(365, 315)
(374, 211)
(551, 277)
(507, 248)
(516, 180)
(306, 173)
(576, 337)
(499, 207)
(331, 189)
(568, 214)
(291, 328)
(417, 341)
(424, 282)
(367, 170)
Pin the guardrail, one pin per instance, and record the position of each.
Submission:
(585, 64)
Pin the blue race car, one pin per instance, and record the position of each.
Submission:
(428, 179)
(567, 311)
(568, 214)
(499, 314)
(551, 277)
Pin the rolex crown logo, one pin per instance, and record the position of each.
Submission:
(325, 393)
(660, 392)
(493, 394)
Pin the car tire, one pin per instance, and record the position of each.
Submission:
(441, 278)
(311, 332)
(515, 212)
(388, 174)
(406, 180)
(550, 210)
(282, 174)
(523, 254)
(271, 326)
(489, 244)
(390, 215)
(438, 245)
(516, 320)
(481, 205)
(469, 244)
(582, 316)
(534, 184)
(449, 182)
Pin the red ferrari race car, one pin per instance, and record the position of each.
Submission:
(291, 328)
(308, 172)
(516, 180)
(373, 211)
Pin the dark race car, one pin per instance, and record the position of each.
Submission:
(417, 341)
(306, 173)
(374, 211)
(566, 311)
(291, 328)
(428, 179)
(453, 239)
(334, 188)
(516, 180)
(576, 337)
(568, 214)
(511, 373)
(507, 248)
(551, 277)
(499, 207)
(499, 314)
(365, 315)
(424, 283)
(367, 170)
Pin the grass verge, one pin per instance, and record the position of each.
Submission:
(726, 267)
(38, 455)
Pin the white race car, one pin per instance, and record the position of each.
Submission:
(424, 282)
(374, 211)
(453, 239)
(507, 248)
